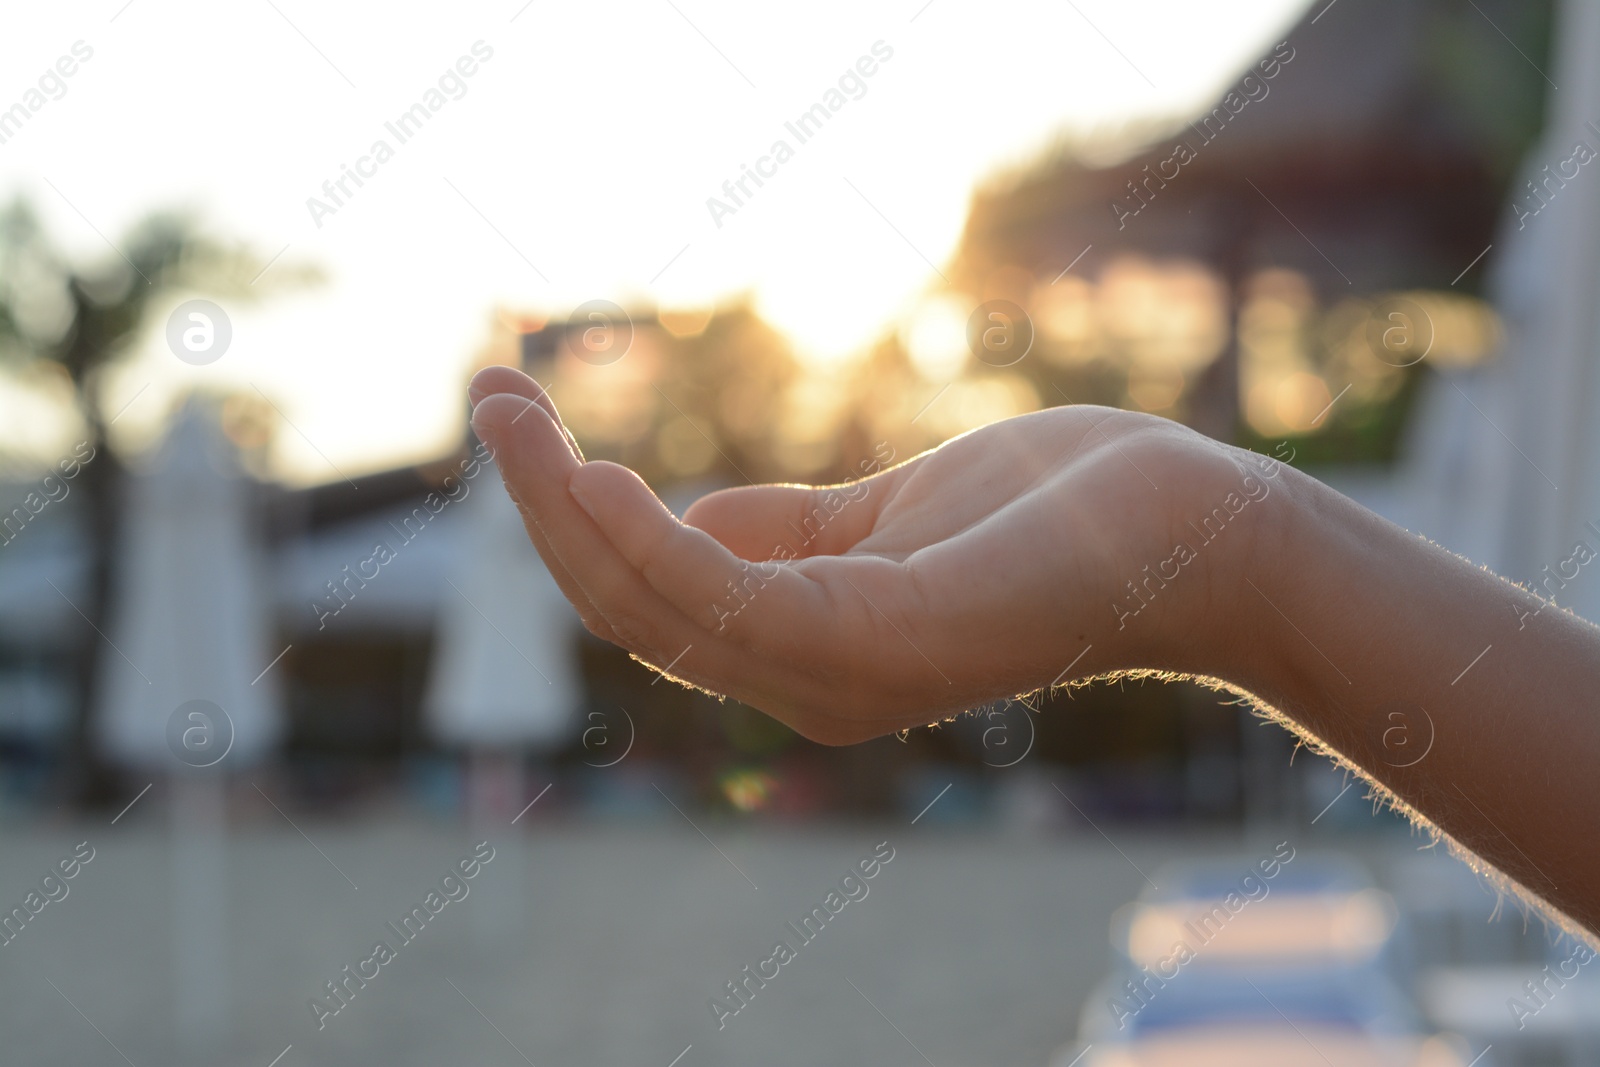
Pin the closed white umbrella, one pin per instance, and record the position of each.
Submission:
(504, 679)
(503, 670)
(188, 621)
(182, 690)
(1506, 466)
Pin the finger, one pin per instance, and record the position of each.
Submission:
(801, 690)
(697, 574)
(805, 631)
(787, 634)
(529, 394)
(492, 380)
(509, 380)
(537, 467)
(762, 522)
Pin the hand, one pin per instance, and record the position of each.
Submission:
(975, 571)
(1077, 541)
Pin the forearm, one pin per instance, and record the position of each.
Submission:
(1469, 698)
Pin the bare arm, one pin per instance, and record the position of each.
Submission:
(1471, 700)
(1078, 542)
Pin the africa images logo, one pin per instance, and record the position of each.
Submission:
(806, 125)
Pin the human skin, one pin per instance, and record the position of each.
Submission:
(989, 566)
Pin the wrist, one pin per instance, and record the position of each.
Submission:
(1275, 589)
(1243, 522)
(1333, 605)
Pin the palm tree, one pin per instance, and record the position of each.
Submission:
(82, 317)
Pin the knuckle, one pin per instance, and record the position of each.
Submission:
(632, 632)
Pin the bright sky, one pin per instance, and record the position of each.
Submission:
(576, 165)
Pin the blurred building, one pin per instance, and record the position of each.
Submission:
(1225, 270)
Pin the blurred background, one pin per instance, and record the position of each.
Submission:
(276, 657)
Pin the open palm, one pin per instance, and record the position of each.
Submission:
(983, 568)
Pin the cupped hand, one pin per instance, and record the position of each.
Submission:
(993, 565)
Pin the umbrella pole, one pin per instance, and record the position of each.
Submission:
(494, 797)
(198, 850)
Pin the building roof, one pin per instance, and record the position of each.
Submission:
(1361, 162)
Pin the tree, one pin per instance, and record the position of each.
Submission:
(82, 317)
